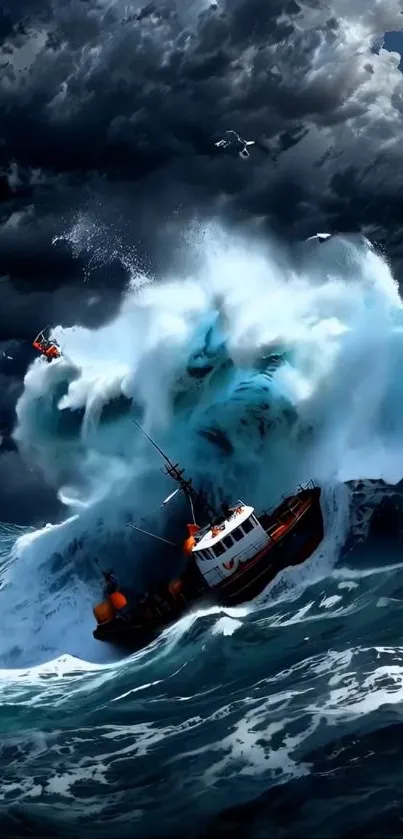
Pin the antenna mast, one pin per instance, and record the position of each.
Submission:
(173, 470)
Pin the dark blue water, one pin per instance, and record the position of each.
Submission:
(282, 720)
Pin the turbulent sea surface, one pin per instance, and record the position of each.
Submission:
(283, 717)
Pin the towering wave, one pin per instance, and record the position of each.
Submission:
(254, 373)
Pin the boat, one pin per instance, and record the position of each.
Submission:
(230, 559)
(48, 349)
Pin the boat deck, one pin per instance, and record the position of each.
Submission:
(279, 521)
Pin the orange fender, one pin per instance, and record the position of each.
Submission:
(103, 612)
(118, 600)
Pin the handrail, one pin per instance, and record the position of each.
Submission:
(310, 484)
(306, 485)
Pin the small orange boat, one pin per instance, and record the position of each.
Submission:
(47, 348)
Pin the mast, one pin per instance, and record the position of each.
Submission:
(174, 472)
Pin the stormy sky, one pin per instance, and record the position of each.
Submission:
(108, 115)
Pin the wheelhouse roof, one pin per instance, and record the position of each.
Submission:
(229, 524)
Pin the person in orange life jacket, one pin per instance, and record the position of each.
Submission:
(115, 597)
(111, 583)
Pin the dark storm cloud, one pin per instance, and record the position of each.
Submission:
(107, 116)
(10, 389)
(138, 96)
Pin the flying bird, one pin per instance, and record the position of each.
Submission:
(320, 237)
(234, 143)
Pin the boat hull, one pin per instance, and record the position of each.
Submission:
(295, 546)
(143, 629)
(160, 611)
(292, 544)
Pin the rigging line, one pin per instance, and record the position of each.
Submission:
(151, 512)
(192, 509)
(150, 440)
(154, 536)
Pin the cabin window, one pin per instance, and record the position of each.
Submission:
(237, 534)
(218, 549)
(247, 525)
(206, 554)
(228, 542)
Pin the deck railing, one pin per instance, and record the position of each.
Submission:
(289, 494)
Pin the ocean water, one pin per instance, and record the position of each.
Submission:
(281, 717)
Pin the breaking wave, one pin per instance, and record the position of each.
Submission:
(257, 372)
(253, 373)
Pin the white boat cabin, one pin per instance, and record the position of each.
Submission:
(222, 546)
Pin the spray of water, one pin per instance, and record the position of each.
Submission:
(253, 373)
